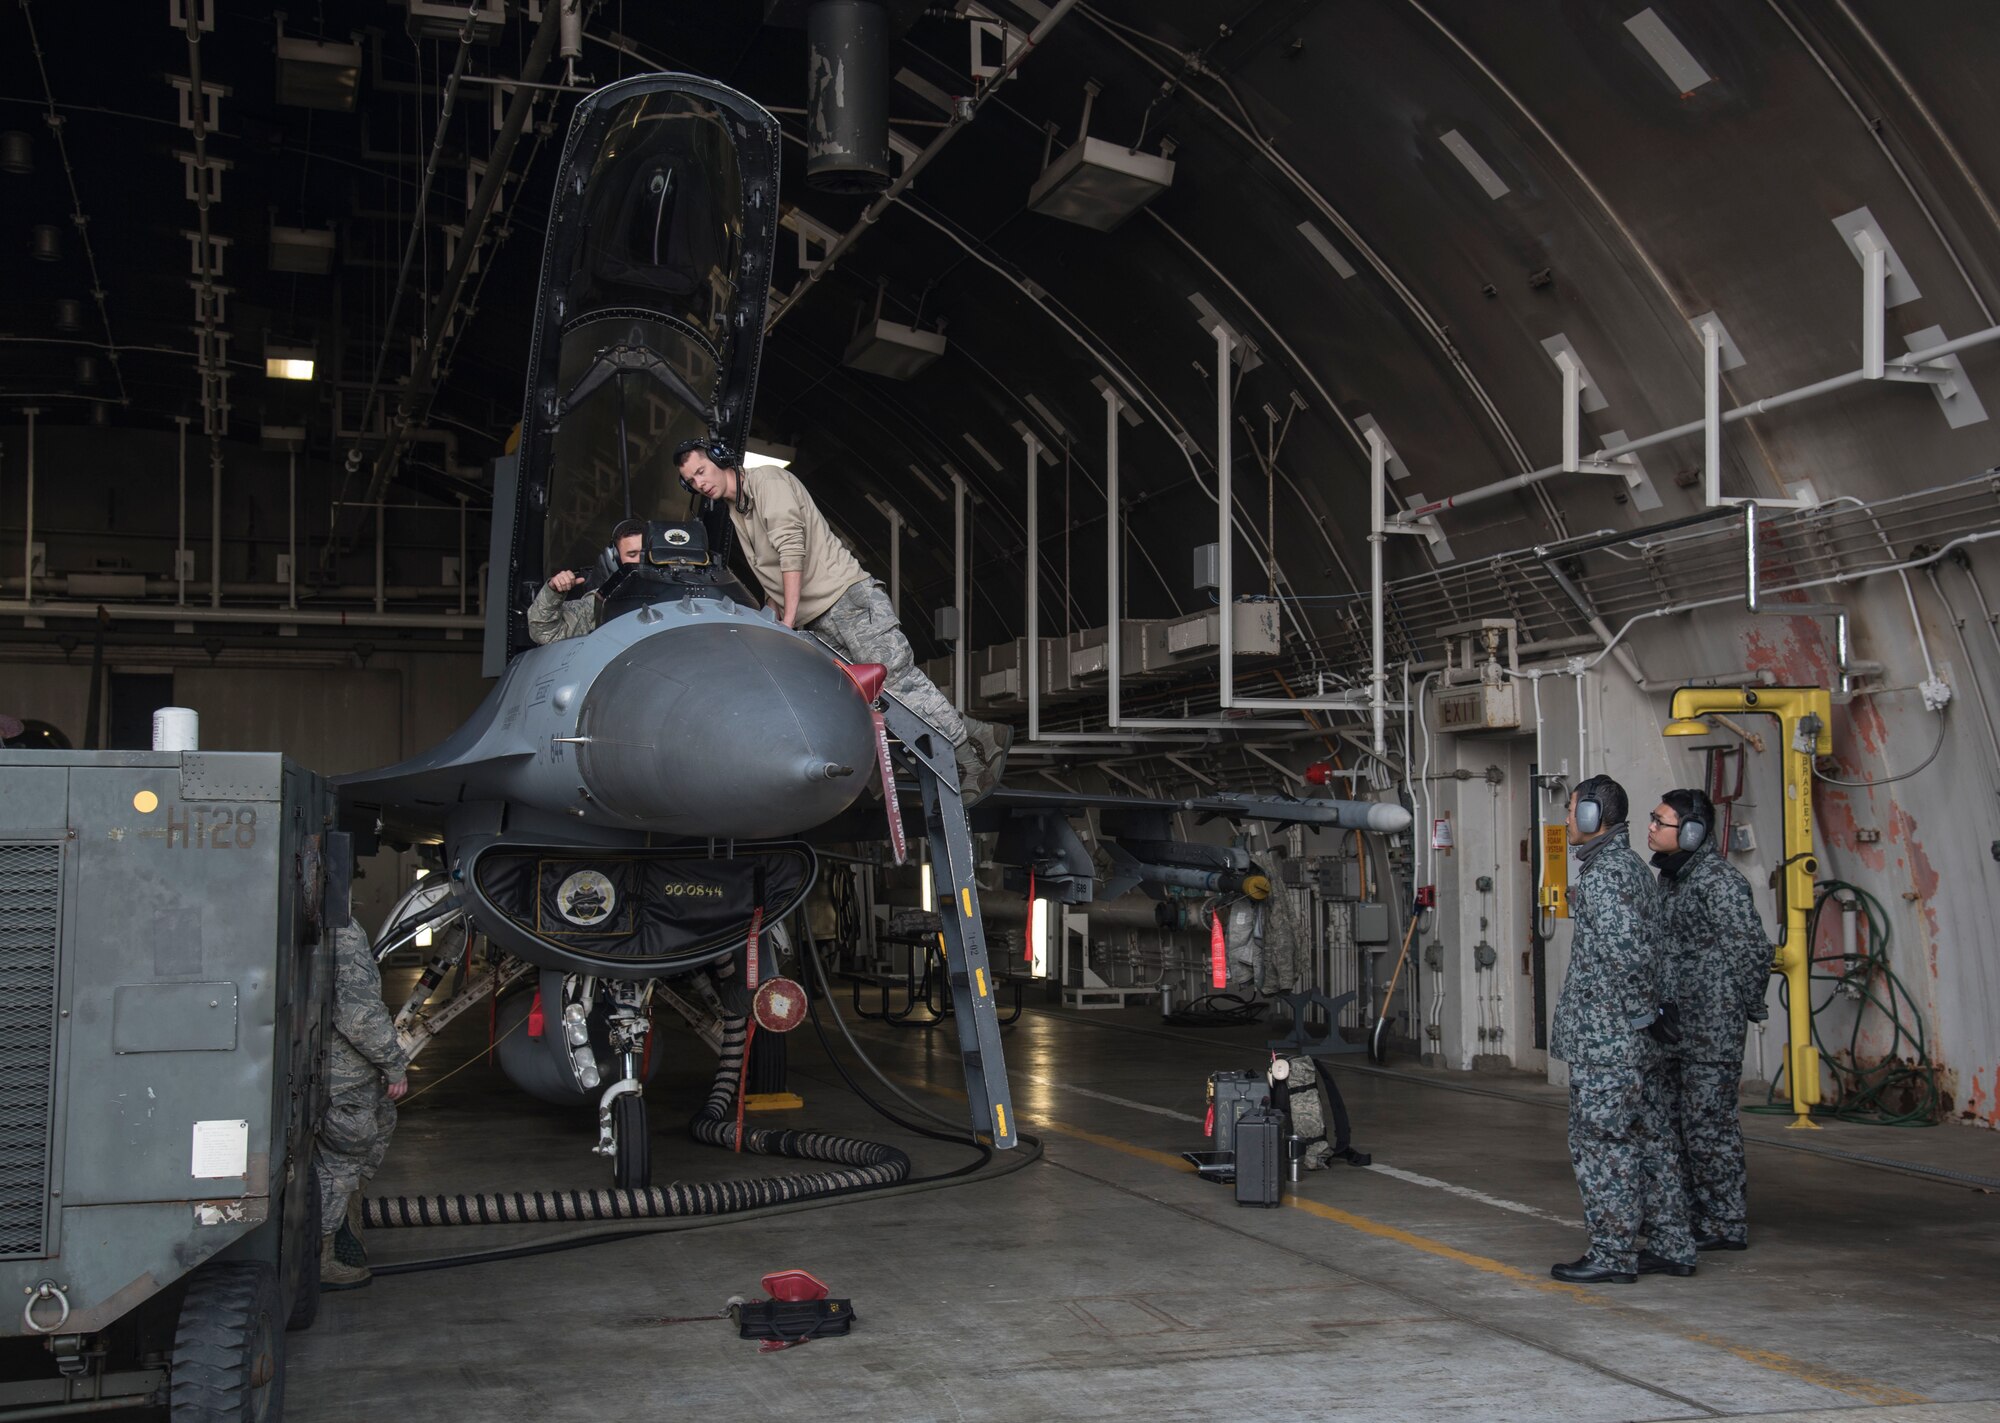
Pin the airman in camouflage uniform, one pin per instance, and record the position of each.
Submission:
(551, 617)
(1717, 965)
(365, 1070)
(1617, 1141)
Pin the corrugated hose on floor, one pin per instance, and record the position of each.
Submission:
(858, 1166)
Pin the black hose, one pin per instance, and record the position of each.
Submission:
(584, 1206)
(861, 1165)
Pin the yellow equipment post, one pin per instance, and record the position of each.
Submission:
(1804, 714)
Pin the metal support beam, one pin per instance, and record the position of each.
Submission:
(958, 648)
(292, 532)
(215, 522)
(1225, 532)
(28, 542)
(181, 538)
(1114, 539)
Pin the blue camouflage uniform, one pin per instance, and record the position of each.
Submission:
(365, 1058)
(1717, 966)
(1618, 1126)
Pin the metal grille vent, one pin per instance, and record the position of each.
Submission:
(30, 899)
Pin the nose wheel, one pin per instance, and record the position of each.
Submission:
(632, 1159)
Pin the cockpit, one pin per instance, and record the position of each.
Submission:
(656, 268)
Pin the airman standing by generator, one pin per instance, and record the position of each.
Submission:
(366, 1069)
(1717, 965)
(1610, 999)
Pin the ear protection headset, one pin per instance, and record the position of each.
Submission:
(1599, 801)
(1697, 813)
(1589, 811)
(719, 453)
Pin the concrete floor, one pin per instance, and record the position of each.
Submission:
(1106, 1281)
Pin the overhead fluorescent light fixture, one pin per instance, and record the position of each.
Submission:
(758, 455)
(305, 250)
(444, 19)
(288, 362)
(889, 348)
(313, 74)
(1098, 184)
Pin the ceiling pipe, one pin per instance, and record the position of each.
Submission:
(964, 111)
(260, 617)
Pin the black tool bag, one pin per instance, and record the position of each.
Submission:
(1260, 1171)
(792, 1321)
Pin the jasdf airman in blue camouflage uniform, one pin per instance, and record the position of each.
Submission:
(1717, 966)
(1625, 1169)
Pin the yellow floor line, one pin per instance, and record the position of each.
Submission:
(1819, 1375)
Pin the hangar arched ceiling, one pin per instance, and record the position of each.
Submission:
(1402, 207)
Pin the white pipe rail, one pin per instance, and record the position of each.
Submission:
(28, 542)
(263, 617)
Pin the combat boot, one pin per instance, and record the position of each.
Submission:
(347, 1246)
(994, 740)
(982, 757)
(970, 768)
(336, 1274)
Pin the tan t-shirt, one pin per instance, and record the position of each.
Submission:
(781, 530)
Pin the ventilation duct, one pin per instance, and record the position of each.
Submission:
(847, 97)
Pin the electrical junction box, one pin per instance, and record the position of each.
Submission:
(1742, 839)
(1371, 923)
(1207, 567)
(1484, 706)
(1337, 877)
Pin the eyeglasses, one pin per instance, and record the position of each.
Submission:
(1660, 824)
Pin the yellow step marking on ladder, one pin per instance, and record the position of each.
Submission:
(1000, 1116)
(1819, 1375)
(965, 898)
(979, 974)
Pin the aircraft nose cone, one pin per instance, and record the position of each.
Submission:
(730, 728)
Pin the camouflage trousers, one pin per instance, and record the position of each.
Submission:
(1625, 1167)
(863, 626)
(1709, 1135)
(353, 1139)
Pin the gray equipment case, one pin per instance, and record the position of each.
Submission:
(1231, 1094)
(165, 991)
(1260, 1155)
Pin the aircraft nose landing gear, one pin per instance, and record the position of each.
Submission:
(622, 1132)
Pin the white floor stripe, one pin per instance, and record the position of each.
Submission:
(1471, 1195)
(1408, 1177)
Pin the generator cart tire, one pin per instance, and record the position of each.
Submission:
(634, 1162)
(229, 1349)
(304, 1270)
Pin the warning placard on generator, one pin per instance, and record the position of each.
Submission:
(221, 1149)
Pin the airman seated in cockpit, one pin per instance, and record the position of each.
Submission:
(552, 617)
